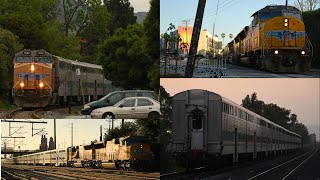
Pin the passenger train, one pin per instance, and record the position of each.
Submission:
(132, 152)
(207, 127)
(276, 40)
(42, 79)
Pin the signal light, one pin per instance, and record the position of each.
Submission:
(21, 84)
(32, 68)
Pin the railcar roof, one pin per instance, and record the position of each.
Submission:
(277, 7)
(79, 63)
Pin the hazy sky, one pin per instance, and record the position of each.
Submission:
(302, 96)
(84, 131)
(140, 5)
(233, 15)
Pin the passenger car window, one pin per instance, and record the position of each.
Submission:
(196, 121)
(129, 103)
(114, 98)
(144, 102)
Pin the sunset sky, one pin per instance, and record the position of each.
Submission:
(301, 96)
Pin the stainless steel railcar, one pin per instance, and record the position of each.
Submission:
(206, 126)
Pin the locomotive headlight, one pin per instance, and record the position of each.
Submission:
(32, 68)
(41, 85)
(276, 52)
(22, 84)
(303, 53)
(285, 24)
(286, 20)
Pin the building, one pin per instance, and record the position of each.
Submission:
(44, 144)
(51, 144)
(205, 43)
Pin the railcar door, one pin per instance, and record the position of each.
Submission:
(196, 131)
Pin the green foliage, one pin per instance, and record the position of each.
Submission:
(9, 45)
(312, 25)
(61, 45)
(124, 60)
(27, 19)
(151, 28)
(302, 130)
(128, 129)
(122, 14)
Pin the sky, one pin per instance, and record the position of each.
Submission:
(232, 17)
(140, 5)
(301, 96)
(84, 131)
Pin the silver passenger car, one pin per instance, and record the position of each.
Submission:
(213, 126)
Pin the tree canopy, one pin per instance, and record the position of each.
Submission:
(9, 45)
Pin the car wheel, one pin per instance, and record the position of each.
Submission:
(107, 116)
(153, 115)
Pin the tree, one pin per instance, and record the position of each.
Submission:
(122, 14)
(151, 28)
(253, 103)
(128, 129)
(306, 5)
(124, 60)
(27, 20)
(9, 45)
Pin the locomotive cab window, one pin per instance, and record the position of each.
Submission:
(42, 59)
(22, 59)
(196, 121)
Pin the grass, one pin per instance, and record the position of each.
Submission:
(5, 104)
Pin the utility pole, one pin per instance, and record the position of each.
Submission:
(186, 21)
(100, 132)
(71, 134)
(195, 39)
(55, 135)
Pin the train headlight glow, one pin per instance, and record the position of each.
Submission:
(285, 24)
(303, 53)
(22, 84)
(32, 67)
(276, 52)
(286, 20)
(41, 85)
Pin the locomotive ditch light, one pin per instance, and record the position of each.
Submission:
(276, 52)
(32, 68)
(303, 53)
(41, 85)
(21, 84)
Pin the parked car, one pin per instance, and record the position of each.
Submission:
(129, 108)
(114, 97)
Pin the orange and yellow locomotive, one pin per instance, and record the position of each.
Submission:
(276, 40)
(32, 83)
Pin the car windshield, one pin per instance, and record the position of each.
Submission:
(21, 59)
(42, 59)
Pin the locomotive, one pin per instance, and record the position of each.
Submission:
(131, 152)
(42, 79)
(207, 127)
(275, 41)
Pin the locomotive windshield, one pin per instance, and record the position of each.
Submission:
(135, 140)
(294, 14)
(23, 59)
(42, 59)
(265, 15)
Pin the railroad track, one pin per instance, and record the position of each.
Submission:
(285, 170)
(20, 113)
(29, 172)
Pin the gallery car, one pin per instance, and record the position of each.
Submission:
(129, 108)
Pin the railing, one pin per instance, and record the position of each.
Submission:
(309, 44)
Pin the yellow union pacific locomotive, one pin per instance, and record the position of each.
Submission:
(276, 40)
(42, 79)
